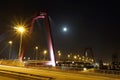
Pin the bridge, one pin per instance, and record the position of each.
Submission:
(39, 44)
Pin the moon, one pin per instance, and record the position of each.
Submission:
(65, 29)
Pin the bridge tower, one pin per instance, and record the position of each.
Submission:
(88, 52)
(44, 15)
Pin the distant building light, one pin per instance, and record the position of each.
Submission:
(72, 62)
(106, 64)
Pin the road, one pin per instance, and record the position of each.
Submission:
(6, 78)
(61, 75)
(21, 76)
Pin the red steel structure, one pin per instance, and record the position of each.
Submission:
(43, 15)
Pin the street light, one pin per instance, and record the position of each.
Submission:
(59, 54)
(79, 58)
(68, 56)
(44, 52)
(21, 30)
(36, 50)
(10, 43)
(75, 57)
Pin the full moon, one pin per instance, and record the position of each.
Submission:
(64, 29)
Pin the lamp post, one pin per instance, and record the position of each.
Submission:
(10, 43)
(68, 57)
(21, 30)
(45, 52)
(75, 57)
(36, 50)
(59, 55)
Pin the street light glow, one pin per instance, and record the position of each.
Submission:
(68, 55)
(20, 28)
(75, 57)
(36, 47)
(10, 42)
(45, 52)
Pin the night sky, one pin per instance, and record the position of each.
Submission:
(92, 24)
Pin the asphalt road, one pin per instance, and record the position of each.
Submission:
(6, 78)
(61, 75)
